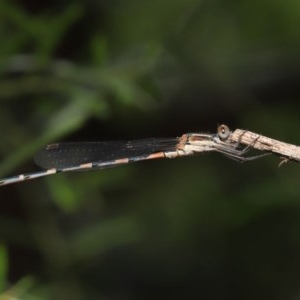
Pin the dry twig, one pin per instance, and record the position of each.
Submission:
(286, 151)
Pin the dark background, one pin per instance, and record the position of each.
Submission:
(205, 226)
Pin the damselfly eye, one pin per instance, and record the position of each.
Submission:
(223, 132)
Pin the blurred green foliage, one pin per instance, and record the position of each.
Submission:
(203, 227)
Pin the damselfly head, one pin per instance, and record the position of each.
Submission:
(223, 132)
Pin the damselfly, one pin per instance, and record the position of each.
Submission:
(67, 157)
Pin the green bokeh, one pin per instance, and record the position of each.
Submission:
(204, 227)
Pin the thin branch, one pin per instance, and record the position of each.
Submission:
(263, 143)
